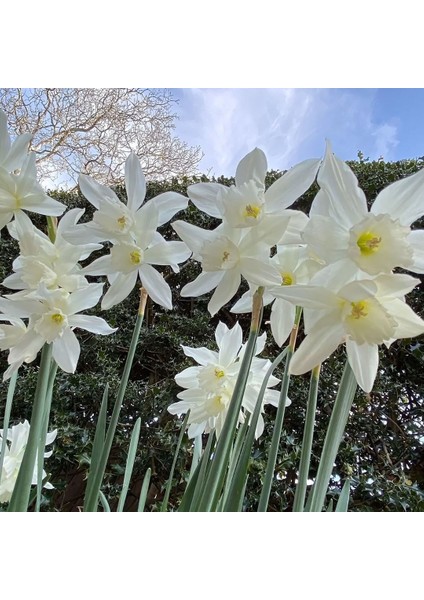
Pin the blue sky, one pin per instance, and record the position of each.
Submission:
(292, 124)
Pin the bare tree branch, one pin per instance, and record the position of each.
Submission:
(93, 130)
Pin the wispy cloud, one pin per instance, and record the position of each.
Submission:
(288, 124)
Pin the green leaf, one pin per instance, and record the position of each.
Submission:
(135, 436)
(174, 462)
(343, 501)
(144, 490)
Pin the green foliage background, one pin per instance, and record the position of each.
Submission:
(382, 451)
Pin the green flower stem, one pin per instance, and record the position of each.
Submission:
(238, 481)
(336, 427)
(52, 228)
(278, 425)
(308, 434)
(218, 470)
(6, 421)
(43, 436)
(174, 462)
(91, 503)
(234, 461)
(21, 492)
(194, 487)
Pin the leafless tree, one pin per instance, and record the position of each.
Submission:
(93, 130)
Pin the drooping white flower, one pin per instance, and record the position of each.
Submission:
(22, 191)
(44, 262)
(363, 314)
(17, 439)
(52, 318)
(209, 386)
(295, 267)
(341, 228)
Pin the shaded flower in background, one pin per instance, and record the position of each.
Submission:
(209, 386)
(17, 438)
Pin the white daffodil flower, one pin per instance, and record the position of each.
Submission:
(246, 204)
(295, 267)
(363, 314)
(341, 228)
(23, 192)
(116, 221)
(52, 318)
(132, 259)
(226, 255)
(42, 261)
(12, 155)
(17, 439)
(209, 386)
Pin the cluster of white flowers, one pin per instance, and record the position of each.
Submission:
(209, 387)
(17, 438)
(50, 285)
(337, 264)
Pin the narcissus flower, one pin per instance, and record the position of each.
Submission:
(341, 228)
(246, 204)
(209, 387)
(23, 192)
(44, 262)
(52, 318)
(363, 314)
(132, 229)
(295, 267)
(17, 439)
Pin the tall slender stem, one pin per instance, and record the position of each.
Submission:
(21, 492)
(308, 434)
(279, 419)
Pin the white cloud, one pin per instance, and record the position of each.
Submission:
(290, 125)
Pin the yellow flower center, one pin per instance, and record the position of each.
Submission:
(217, 405)
(368, 242)
(359, 309)
(135, 257)
(219, 373)
(225, 256)
(287, 279)
(252, 210)
(57, 318)
(122, 222)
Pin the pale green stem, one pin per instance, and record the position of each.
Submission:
(43, 436)
(90, 505)
(235, 494)
(6, 421)
(21, 492)
(174, 462)
(308, 434)
(336, 427)
(234, 459)
(279, 419)
(194, 489)
(215, 479)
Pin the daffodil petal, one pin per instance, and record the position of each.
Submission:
(290, 186)
(282, 320)
(66, 351)
(225, 290)
(402, 199)
(322, 340)
(204, 283)
(91, 323)
(204, 197)
(363, 358)
(230, 345)
(252, 166)
(135, 182)
(121, 287)
(416, 241)
(156, 286)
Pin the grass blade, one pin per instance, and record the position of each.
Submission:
(343, 501)
(174, 462)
